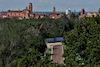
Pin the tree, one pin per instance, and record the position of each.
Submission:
(99, 10)
(72, 15)
(16, 39)
(83, 44)
(33, 60)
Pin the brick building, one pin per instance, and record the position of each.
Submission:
(82, 13)
(3, 15)
(27, 13)
(55, 15)
(89, 14)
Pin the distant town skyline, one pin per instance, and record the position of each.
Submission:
(47, 5)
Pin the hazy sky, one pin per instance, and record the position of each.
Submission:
(47, 5)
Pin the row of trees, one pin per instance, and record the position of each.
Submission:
(83, 44)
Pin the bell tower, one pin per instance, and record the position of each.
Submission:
(54, 10)
(82, 12)
(30, 7)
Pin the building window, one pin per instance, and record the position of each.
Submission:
(19, 13)
(11, 13)
(15, 13)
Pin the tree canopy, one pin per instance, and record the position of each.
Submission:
(21, 43)
(83, 44)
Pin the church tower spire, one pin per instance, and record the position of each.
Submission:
(54, 10)
(30, 7)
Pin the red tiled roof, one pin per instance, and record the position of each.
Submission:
(89, 16)
(14, 11)
(42, 14)
(54, 13)
(26, 10)
(32, 13)
(81, 16)
(3, 13)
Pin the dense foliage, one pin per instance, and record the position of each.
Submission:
(52, 27)
(21, 43)
(33, 59)
(17, 38)
(83, 44)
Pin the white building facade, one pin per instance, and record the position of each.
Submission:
(68, 11)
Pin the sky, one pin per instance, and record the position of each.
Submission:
(47, 5)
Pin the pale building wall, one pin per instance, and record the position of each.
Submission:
(92, 13)
(52, 44)
(4, 16)
(68, 11)
(14, 13)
